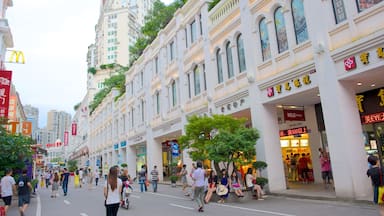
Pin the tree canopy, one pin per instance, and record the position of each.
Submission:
(155, 21)
(219, 138)
(15, 150)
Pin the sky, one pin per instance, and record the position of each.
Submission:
(54, 36)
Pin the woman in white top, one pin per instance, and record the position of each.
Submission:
(249, 181)
(112, 192)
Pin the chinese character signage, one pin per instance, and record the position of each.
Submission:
(350, 63)
(294, 115)
(27, 128)
(289, 85)
(5, 88)
(371, 106)
(293, 131)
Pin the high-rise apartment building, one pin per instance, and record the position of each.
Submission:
(32, 114)
(118, 28)
(57, 122)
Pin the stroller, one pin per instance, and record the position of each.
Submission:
(127, 190)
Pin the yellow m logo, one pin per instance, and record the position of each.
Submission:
(15, 57)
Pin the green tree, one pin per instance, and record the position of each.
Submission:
(72, 165)
(15, 150)
(219, 138)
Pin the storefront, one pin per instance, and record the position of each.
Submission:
(171, 155)
(371, 109)
(141, 156)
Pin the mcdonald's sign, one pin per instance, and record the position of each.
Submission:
(16, 57)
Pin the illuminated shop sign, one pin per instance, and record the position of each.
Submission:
(289, 85)
(293, 131)
(350, 62)
(372, 118)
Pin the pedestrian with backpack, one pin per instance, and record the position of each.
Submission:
(24, 188)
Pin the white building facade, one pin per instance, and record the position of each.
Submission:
(295, 77)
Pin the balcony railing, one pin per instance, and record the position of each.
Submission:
(221, 10)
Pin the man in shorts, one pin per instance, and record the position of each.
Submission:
(7, 188)
(24, 189)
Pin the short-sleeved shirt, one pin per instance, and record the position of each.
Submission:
(374, 173)
(22, 185)
(6, 186)
(155, 175)
(199, 175)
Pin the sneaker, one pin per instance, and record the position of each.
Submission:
(260, 199)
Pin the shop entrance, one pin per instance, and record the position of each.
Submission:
(297, 158)
(374, 143)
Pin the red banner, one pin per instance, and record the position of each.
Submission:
(294, 115)
(74, 129)
(65, 138)
(5, 88)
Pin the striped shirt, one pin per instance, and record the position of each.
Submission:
(155, 175)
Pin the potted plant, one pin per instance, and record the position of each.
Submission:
(260, 166)
(173, 179)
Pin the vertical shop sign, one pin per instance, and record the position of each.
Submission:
(74, 129)
(5, 88)
(27, 128)
(175, 149)
(65, 138)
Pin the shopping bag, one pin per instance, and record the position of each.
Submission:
(2, 211)
(380, 197)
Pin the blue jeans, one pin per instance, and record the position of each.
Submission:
(154, 185)
(65, 187)
(142, 183)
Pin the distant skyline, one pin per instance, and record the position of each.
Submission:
(54, 37)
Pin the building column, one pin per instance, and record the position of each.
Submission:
(344, 133)
(154, 151)
(268, 149)
(131, 160)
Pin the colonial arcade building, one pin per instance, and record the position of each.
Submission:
(306, 74)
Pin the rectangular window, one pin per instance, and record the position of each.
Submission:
(142, 79)
(157, 103)
(132, 87)
(186, 37)
(365, 4)
(193, 31)
(172, 50)
(339, 10)
(142, 111)
(205, 78)
(156, 65)
(189, 85)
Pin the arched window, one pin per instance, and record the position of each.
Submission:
(281, 31)
(196, 80)
(228, 51)
(365, 4)
(174, 92)
(264, 40)
(241, 53)
(219, 63)
(299, 22)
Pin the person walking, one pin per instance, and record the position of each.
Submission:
(198, 177)
(326, 172)
(48, 176)
(112, 192)
(76, 179)
(183, 177)
(7, 187)
(142, 178)
(97, 176)
(81, 176)
(55, 185)
(24, 188)
(64, 181)
(376, 175)
(154, 178)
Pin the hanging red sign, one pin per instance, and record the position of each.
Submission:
(65, 138)
(294, 115)
(350, 63)
(372, 118)
(74, 129)
(5, 88)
